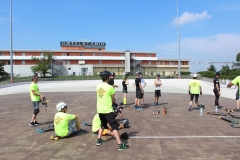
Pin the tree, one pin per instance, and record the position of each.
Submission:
(225, 70)
(2, 72)
(237, 65)
(212, 68)
(43, 64)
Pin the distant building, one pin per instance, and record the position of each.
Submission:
(90, 58)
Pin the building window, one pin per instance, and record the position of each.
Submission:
(174, 72)
(122, 62)
(94, 54)
(163, 63)
(149, 63)
(23, 54)
(100, 62)
(163, 72)
(41, 54)
(63, 54)
(149, 55)
(133, 55)
(67, 54)
(64, 62)
(1, 54)
(100, 54)
(81, 54)
(23, 62)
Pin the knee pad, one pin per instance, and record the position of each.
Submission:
(36, 111)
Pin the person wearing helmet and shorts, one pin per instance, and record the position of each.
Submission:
(105, 97)
(66, 124)
(193, 90)
(216, 90)
(236, 81)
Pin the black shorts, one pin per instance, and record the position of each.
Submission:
(139, 94)
(110, 119)
(237, 94)
(196, 97)
(157, 93)
(124, 90)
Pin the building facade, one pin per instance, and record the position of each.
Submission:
(90, 58)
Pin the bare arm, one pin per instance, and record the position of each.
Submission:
(126, 82)
(35, 93)
(230, 85)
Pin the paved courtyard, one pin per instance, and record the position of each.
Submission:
(178, 135)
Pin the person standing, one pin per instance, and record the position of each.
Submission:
(35, 98)
(157, 84)
(236, 81)
(105, 96)
(216, 89)
(124, 90)
(194, 89)
(139, 91)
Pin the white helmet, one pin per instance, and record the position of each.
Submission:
(194, 75)
(60, 106)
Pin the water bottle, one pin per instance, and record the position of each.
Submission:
(201, 111)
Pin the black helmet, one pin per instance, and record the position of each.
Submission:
(158, 75)
(105, 74)
(217, 73)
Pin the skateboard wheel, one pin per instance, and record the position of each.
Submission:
(51, 137)
(56, 138)
(219, 117)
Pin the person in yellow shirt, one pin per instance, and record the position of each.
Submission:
(35, 98)
(66, 124)
(236, 81)
(194, 90)
(105, 98)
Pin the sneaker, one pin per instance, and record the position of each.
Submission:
(36, 123)
(31, 124)
(82, 132)
(122, 146)
(154, 104)
(190, 108)
(135, 107)
(139, 108)
(157, 103)
(100, 142)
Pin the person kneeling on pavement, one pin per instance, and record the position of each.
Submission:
(96, 124)
(66, 124)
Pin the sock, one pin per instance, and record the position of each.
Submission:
(124, 100)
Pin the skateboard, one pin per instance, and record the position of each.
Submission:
(201, 106)
(229, 119)
(229, 109)
(44, 102)
(48, 128)
(235, 116)
(156, 111)
(217, 113)
(56, 138)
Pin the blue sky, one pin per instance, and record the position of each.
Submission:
(209, 30)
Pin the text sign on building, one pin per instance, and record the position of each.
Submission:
(69, 43)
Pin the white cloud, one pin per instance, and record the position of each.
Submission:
(187, 17)
(215, 48)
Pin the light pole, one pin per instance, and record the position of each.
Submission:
(11, 54)
(179, 72)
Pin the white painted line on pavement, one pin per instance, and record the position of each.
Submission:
(167, 137)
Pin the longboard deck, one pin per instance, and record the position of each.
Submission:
(217, 113)
(228, 119)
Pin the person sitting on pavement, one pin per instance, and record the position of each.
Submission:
(66, 124)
